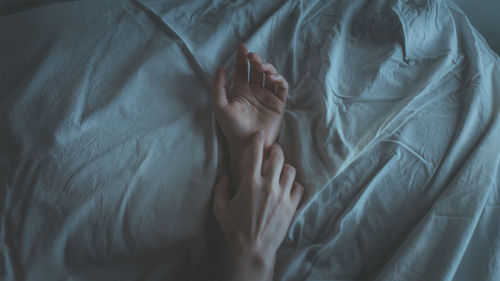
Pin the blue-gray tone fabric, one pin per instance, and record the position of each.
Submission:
(109, 149)
(483, 15)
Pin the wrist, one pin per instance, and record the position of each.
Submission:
(238, 152)
(237, 145)
(236, 161)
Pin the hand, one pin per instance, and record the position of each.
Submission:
(256, 220)
(250, 107)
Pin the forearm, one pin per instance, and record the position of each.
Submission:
(246, 266)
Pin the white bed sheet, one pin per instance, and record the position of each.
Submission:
(109, 149)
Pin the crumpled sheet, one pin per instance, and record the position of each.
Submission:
(109, 150)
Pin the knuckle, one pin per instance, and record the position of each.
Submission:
(281, 200)
(271, 191)
(256, 182)
(283, 196)
(277, 152)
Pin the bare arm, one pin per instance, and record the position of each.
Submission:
(256, 219)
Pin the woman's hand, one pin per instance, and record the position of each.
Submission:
(250, 106)
(256, 220)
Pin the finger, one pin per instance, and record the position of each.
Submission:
(271, 85)
(254, 57)
(257, 150)
(267, 68)
(255, 75)
(287, 178)
(219, 88)
(296, 194)
(221, 196)
(281, 85)
(276, 161)
(241, 65)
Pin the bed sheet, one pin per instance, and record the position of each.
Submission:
(109, 149)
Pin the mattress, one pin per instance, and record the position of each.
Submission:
(109, 149)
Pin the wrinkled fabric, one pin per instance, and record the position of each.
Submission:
(109, 149)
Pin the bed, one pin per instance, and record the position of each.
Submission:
(109, 150)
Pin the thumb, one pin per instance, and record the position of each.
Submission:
(221, 197)
(219, 88)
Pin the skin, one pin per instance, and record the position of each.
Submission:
(255, 221)
(249, 108)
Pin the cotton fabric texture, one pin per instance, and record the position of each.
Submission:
(109, 149)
